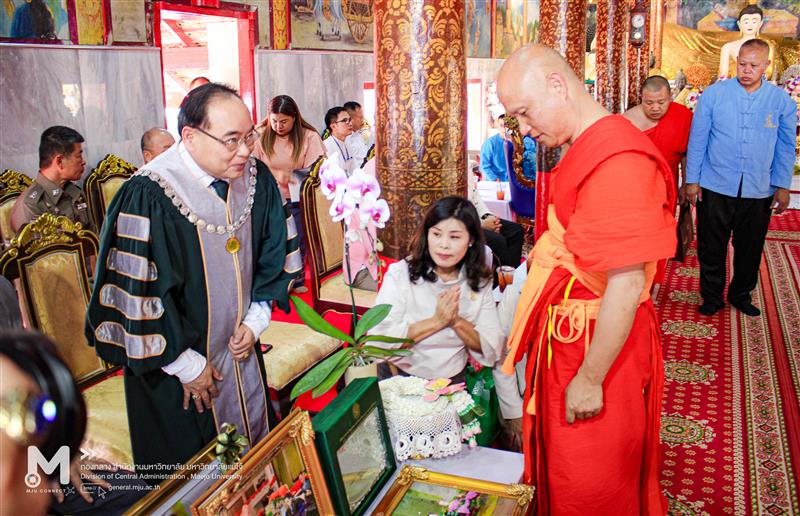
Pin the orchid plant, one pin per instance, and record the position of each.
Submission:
(359, 193)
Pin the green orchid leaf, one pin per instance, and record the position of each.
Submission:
(371, 318)
(380, 352)
(332, 378)
(315, 321)
(386, 339)
(320, 372)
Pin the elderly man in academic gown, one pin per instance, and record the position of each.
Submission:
(195, 249)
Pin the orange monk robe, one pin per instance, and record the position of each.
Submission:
(671, 135)
(612, 203)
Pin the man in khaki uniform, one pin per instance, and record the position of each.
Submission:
(60, 162)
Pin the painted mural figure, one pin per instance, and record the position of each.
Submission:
(750, 21)
(328, 14)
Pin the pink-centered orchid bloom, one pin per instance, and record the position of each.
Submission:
(342, 206)
(332, 178)
(360, 184)
(372, 209)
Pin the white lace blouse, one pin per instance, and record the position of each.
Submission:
(442, 354)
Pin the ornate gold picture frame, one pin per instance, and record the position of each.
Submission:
(419, 491)
(282, 472)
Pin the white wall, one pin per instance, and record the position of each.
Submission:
(109, 95)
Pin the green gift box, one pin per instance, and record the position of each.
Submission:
(354, 447)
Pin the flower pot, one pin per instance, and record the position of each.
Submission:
(365, 371)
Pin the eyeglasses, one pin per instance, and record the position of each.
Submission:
(234, 143)
(343, 120)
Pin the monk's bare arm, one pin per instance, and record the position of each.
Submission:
(584, 395)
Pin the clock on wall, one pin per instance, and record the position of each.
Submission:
(638, 30)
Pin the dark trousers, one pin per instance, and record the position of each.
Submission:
(507, 244)
(717, 217)
(297, 214)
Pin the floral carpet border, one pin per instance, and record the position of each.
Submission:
(772, 482)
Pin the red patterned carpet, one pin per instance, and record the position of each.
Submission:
(731, 420)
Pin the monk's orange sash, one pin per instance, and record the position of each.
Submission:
(548, 254)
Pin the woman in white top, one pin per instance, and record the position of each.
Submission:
(441, 296)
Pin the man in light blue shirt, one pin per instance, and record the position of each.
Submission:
(493, 154)
(739, 167)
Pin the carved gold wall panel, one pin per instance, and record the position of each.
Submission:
(421, 109)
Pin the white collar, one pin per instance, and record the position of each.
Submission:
(196, 172)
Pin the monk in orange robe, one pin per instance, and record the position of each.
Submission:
(667, 123)
(585, 318)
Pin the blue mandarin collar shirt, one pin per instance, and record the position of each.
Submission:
(739, 138)
(493, 159)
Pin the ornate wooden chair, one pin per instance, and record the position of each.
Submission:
(49, 258)
(523, 188)
(325, 248)
(369, 156)
(103, 183)
(12, 184)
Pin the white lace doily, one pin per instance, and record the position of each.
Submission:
(419, 428)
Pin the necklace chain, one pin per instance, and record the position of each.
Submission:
(193, 218)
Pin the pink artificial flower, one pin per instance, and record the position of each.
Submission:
(454, 505)
(360, 184)
(342, 207)
(374, 210)
(471, 495)
(332, 177)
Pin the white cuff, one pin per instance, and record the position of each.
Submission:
(187, 367)
(258, 317)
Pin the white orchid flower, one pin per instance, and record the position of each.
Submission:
(374, 210)
(332, 177)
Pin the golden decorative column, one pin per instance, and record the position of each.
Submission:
(562, 26)
(280, 24)
(421, 110)
(657, 14)
(612, 26)
(639, 57)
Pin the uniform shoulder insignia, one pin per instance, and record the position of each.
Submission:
(34, 194)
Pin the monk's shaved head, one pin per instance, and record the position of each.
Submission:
(655, 83)
(539, 88)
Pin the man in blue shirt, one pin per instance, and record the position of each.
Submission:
(739, 167)
(493, 157)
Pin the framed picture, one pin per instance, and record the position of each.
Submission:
(419, 491)
(175, 495)
(279, 475)
(479, 28)
(46, 21)
(354, 446)
(331, 25)
(509, 27)
(128, 22)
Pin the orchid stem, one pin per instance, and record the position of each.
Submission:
(350, 281)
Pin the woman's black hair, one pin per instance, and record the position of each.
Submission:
(420, 263)
(285, 105)
(42, 21)
(37, 357)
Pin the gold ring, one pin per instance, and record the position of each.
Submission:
(195, 396)
(247, 355)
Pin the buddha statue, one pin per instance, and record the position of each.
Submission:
(750, 21)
